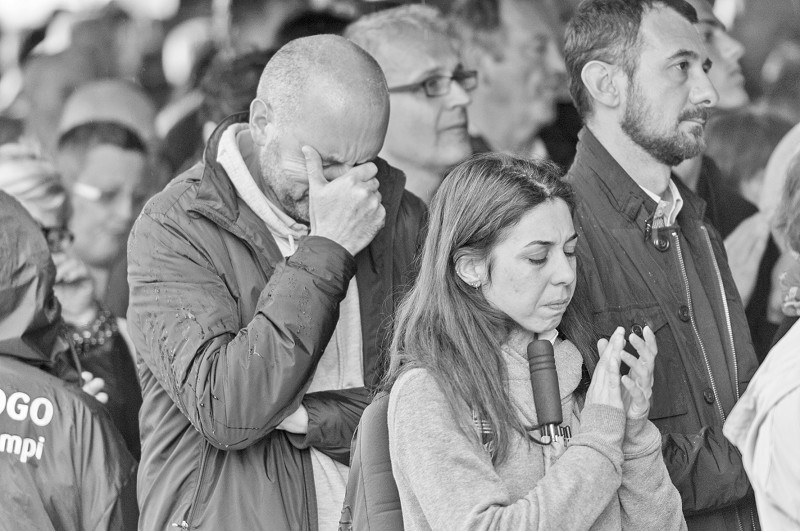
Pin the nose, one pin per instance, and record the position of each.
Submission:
(458, 97)
(703, 93)
(564, 273)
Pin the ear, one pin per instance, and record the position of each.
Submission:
(471, 270)
(262, 122)
(603, 83)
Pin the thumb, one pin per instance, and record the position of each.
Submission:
(313, 167)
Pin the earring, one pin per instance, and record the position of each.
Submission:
(476, 284)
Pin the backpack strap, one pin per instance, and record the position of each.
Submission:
(372, 501)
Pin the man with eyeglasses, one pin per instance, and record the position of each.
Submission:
(429, 92)
(513, 47)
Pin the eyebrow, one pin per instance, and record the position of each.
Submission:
(681, 54)
(543, 242)
(437, 71)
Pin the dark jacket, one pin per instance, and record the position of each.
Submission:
(229, 334)
(625, 283)
(63, 464)
(726, 209)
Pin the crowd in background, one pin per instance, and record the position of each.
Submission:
(104, 104)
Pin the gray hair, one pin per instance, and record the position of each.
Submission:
(377, 29)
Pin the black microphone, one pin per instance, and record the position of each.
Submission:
(544, 382)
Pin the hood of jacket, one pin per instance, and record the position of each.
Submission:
(31, 328)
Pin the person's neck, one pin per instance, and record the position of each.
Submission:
(646, 171)
(422, 182)
(689, 171)
(484, 122)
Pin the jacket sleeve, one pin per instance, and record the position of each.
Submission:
(449, 474)
(647, 497)
(235, 385)
(332, 419)
(706, 469)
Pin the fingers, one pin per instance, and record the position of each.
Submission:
(93, 386)
(363, 172)
(635, 392)
(646, 346)
(316, 178)
(609, 351)
(639, 368)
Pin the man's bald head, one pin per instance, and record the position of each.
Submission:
(349, 75)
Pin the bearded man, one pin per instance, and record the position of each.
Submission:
(639, 79)
(262, 282)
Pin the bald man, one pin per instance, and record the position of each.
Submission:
(257, 337)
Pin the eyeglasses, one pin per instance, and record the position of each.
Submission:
(440, 85)
(58, 238)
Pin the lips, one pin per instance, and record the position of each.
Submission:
(699, 115)
(459, 126)
(560, 304)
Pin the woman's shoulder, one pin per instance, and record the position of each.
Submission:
(415, 383)
(416, 395)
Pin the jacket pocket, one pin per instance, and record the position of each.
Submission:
(670, 390)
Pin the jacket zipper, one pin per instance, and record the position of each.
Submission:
(187, 524)
(727, 312)
(694, 324)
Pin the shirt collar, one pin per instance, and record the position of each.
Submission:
(670, 202)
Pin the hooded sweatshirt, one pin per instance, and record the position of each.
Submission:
(63, 464)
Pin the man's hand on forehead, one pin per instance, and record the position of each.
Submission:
(347, 209)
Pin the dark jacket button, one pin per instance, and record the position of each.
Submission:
(637, 329)
(683, 313)
(662, 244)
(708, 395)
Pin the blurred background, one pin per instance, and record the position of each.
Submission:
(49, 47)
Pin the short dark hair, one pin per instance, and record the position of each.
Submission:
(608, 30)
(75, 144)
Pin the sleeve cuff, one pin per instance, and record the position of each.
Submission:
(641, 436)
(602, 428)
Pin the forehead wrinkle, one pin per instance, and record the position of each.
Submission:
(406, 59)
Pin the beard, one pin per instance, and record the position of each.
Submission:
(279, 184)
(668, 147)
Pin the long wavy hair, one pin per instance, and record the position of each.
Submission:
(448, 327)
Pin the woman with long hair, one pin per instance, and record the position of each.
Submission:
(497, 272)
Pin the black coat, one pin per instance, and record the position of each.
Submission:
(623, 283)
